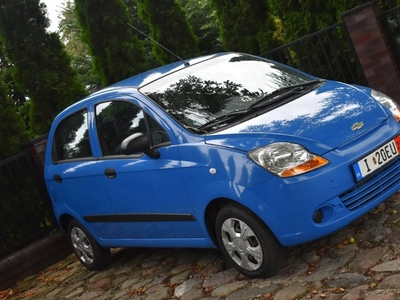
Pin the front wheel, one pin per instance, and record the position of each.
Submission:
(248, 243)
(88, 251)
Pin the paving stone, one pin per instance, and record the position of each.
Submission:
(293, 291)
(341, 236)
(90, 295)
(376, 234)
(194, 294)
(161, 294)
(155, 288)
(69, 288)
(150, 264)
(161, 271)
(395, 218)
(341, 250)
(348, 280)
(121, 295)
(177, 279)
(389, 296)
(140, 284)
(208, 258)
(106, 295)
(158, 280)
(180, 268)
(390, 282)
(98, 276)
(53, 294)
(327, 267)
(102, 283)
(149, 271)
(354, 293)
(390, 266)
(229, 288)
(190, 257)
(127, 284)
(210, 270)
(252, 292)
(187, 286)
(75, 293)
(220, 279)
(291, 271)
(367, 259)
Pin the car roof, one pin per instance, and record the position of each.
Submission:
(144, 78)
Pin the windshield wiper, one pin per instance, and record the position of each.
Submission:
(283, 93)
(223, 118)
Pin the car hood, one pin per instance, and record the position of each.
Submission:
(322, 119)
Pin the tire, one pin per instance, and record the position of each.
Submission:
(248, 243)
(87, 250)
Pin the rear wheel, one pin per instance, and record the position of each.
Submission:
(88, 251)
(248, 243)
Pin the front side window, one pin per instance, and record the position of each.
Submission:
(117, 120)
(71, 139)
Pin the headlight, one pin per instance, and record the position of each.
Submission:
(388, 102)
(286, 159)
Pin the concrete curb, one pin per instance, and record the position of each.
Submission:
(33, 259)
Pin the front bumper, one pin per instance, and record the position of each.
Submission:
(307, 207)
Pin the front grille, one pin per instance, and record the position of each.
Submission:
(369, 188)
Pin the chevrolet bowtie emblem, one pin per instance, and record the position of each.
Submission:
(357, 126)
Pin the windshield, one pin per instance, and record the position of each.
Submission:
(223, 86)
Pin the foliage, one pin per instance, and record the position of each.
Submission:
(150, 58)
(246, 26)
(201, 16)
(24, 214)
(42, 68)
(12, 133)
(82, 62)
(116, 51)
(302, 17)
(169, 27)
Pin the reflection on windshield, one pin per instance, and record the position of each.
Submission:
(220, 86)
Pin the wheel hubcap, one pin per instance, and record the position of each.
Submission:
(242, 244)
(82, 245)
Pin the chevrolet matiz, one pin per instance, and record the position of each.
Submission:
(228, 150)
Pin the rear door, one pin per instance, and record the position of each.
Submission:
(72, 173)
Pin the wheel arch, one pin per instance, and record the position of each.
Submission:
(212, 210)
(64, 220)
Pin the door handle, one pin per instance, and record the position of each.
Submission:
(110, 173)
(57, 178)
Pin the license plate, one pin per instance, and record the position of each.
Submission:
(377, 159)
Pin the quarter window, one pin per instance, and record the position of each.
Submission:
(71, 138)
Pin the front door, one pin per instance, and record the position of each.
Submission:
(148, 195)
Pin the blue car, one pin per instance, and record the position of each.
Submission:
(229, 150)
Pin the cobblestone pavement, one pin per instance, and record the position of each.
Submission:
(361, 261)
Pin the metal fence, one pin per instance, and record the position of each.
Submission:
(25, 210)
(327, 53)
(391, 20)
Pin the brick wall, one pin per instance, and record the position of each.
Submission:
(33, 259)
(370, 40)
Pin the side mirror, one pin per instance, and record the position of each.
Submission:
(138, 142)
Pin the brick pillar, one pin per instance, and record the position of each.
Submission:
(365, 27)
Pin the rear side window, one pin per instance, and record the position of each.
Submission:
(71, 139)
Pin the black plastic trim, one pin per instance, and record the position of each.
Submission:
(141, 218)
